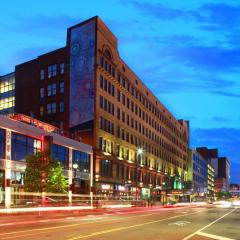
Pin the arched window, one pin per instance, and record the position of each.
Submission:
(107, 53)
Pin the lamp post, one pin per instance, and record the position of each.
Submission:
(139, 154)
(75, 167)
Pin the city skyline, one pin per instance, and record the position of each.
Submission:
(193, 87)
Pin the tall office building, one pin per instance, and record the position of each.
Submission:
(140, 148)
(221, 167)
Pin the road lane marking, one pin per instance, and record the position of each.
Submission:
(198, 231)
(213, 236)
(128, 227)
(41, 230)
(179, 223)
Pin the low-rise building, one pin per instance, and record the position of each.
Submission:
(21, 136)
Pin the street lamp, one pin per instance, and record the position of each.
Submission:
(139, 153)
(75, 166)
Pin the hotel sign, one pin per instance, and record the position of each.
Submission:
(35, 122)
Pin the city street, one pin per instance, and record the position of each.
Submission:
(184, 223)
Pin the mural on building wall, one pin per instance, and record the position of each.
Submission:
(82, 55)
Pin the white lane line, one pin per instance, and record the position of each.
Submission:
(213, 236)
(198, 231)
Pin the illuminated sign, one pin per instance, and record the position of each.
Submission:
(121, 188)
(26, 119)
(105, 186)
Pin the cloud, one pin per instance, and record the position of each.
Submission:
(158, 10)
(221, 15)
(227, 94)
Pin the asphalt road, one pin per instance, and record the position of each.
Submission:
(200, 223)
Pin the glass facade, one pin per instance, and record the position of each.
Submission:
(2, 143)
(7, 93)
(82, 160)
(23, 146)
(61, 154)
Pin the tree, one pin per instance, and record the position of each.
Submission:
(53, 171)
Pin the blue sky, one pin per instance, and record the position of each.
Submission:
(187, 52)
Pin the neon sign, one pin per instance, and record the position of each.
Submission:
(26, 119)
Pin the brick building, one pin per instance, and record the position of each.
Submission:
(140, 148)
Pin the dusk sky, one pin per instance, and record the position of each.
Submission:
(187, 53)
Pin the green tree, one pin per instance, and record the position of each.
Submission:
(53, 171)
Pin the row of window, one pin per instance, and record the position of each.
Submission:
(52, 71)
(106, 125)
(128, 173)
(52, 90)
(106, 105)
(138, 96)
(7, 84)
(7, 103)
(52, 108)
(121, 152)
(139, 112)
(22, 146)
(122, 133)
(107, 66)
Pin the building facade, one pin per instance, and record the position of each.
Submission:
(7, 93)
(221, 167)
(199, 174)
(19, 138)
(211, 182)
(140, 148)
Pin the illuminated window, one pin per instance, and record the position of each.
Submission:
(6, 103)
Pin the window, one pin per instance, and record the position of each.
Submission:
(101, 81)
(2, 144)
(51, 108)
(82, 159)
(61, 87)
(52, 89)
(113, 91)
(62, 68)
(101, 102)
(42, 74)
(52, 70)
(61, 154)
(106, 168)
(123, 99)
(118, 95)
(41, 92)
(101, 61)
(61, 107)
(23, 146)
(41, 111)
(105, 84)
